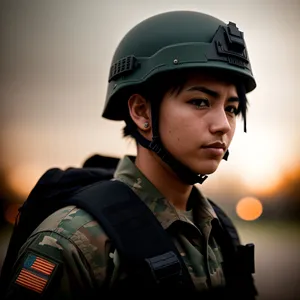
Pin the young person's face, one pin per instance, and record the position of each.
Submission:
(198, 123)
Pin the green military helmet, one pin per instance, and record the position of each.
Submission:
(171, 41)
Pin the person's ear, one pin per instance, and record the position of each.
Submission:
(140, 112)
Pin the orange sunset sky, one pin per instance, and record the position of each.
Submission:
(54, 62)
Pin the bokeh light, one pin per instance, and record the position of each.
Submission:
(249, 208)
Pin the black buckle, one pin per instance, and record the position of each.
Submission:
(165, 267)
(201, 178)
(225, 157)
(245, 256)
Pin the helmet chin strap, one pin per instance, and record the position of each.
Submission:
(183, 172)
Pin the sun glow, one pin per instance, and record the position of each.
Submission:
(260, 160)
(22, 179)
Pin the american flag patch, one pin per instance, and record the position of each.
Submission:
(35, 273)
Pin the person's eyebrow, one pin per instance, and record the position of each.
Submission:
(210, 92)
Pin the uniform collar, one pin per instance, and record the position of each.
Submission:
(165, 211)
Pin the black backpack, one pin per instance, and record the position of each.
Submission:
(139, 238)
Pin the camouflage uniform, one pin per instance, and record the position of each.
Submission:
(69, 253)
(76, 255)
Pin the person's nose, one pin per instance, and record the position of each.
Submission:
(219, 122)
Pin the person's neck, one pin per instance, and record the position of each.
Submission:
(163, 178)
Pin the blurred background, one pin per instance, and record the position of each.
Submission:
(54, 62)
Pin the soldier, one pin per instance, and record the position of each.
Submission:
(179, 81)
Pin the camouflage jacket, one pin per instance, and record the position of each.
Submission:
(75, 255)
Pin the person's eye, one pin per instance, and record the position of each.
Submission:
(200, 103)
(232, 109)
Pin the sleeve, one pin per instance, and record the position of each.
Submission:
(50, 266)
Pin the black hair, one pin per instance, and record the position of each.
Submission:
(243, 104)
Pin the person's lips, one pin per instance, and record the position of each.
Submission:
(215, 148)
(218, 145)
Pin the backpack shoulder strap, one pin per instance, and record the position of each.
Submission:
(226, 223)
(239, 262)
(141, 241)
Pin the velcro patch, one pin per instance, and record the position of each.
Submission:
(35, 273)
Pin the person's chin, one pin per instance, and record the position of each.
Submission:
(207, 166)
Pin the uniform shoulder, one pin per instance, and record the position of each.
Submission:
(67, 222)
(74, 227)
(57, 256)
